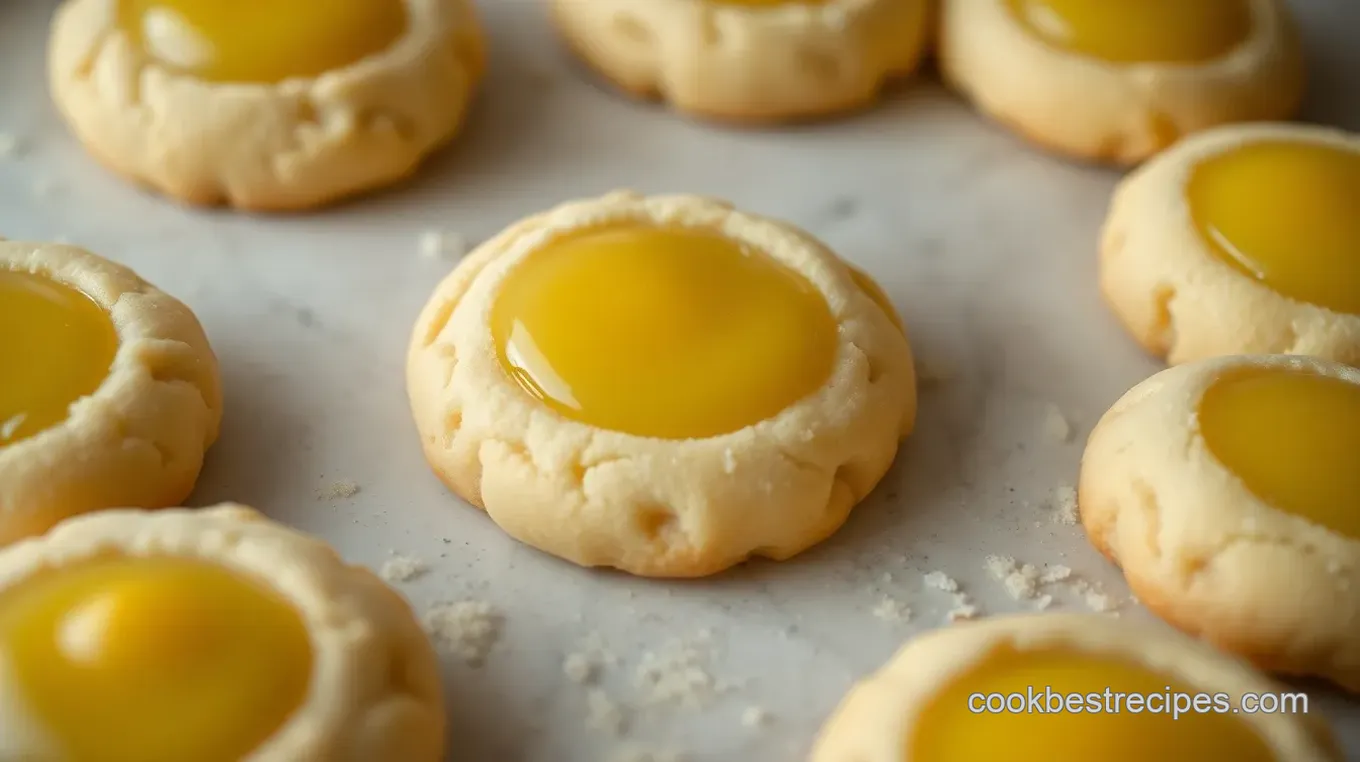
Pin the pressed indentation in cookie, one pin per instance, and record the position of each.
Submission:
(801, 463)
(947, 731)
(1292, 438)
(57, 345)
(657, 523)
(632, 29)
(1133, 31)
(259, 43)
(873, 371)
(453, 423)
(1288, 339)
(1162, 333)
(170, 362)
(468, 56)
(90, 55)
(1114, 241)
(438, 322)
(1193, 569)
(157, 659)
(448, 354)
(665, 332)
(584, 471)
(1146, 501)
(710, 36)
(305, 112)
(1163, 129)
(843, 478)
(163, 454)
(1282, 212)
(1113, 146)
(822, 65)
(386, 122)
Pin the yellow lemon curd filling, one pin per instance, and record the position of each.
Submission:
(152, 659)
(948, 731)
(1284, 212)
(662, 332)
(1133, 31)
(1293, 438)
(262, 41)
(56, 346)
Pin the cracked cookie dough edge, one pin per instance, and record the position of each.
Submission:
(654, 507)
(876, 719)
(1108, 112)
(1204, 553)
(1176, 297)
(140, 438)
(375, 691)
(309, 142)
(753, 65)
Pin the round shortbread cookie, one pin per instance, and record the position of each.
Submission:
(680, 502)
(937, 699)
(136, 433)
(1186, 292)
(1110, 110)
(291, 144)
(749, 62)
(1220, 542)
(370, 692)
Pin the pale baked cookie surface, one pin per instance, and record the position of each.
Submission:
(212, 635)
(260, 106)
(1241, 240)
(791, 390)
(109, 392)
(748, 60)
(930, 703)
(1226, 490)
(1119, 81)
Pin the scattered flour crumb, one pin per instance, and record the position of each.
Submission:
(678, 674)
(467, 629)
(603, 713)
(1043, 602)
(400, 568)
(584, 665)
(886, 579)
(338, 491)
(442, 245)
(12, 425)
(755, 717)
(890, 610)
(1057, 573)
(1091, 594)
(1056, 425)
(940, 581)
(1021, 580)
(1065, 505)
(964, 609)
